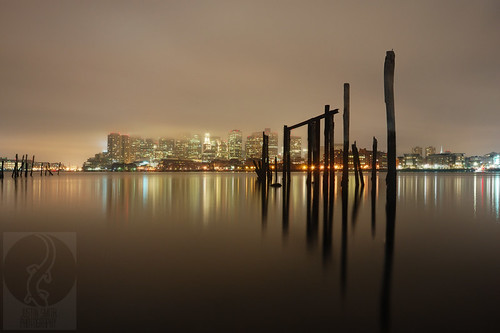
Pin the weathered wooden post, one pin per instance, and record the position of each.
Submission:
(374, 184)
(310, 139)
(14, 172)
(374, 164)
(21, 167)
(26, 167)
(326, 159)
(285, 150)
(59, 169)
(358, 164)
(1, 174)
(390, 207)
(391, 122)
(288, 157)
(32, 165)
(332, 157)
(41, 168)
(355, 164)
(345, 171)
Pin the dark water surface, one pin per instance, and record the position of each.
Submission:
(214, 251)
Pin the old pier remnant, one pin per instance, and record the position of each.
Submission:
(345, 156)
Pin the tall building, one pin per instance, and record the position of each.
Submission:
(126, 156)
(114, 147)
(195, 147)
(135, 148)
(430, 151)
(417, 150)
(235, 145)
(181, 148)
(222, 149)
(295, 148)
(253, 145)
(273, 143)
(166, 147)
(208, 149)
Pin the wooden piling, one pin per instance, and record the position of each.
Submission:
(345, 171)
(288, 157)
(391, 123)
(358, 162)
(14, 171)
(332, 156)
(59, 168)
(41, 168)
(374, 163)
(32, 165)
(326, 159)
(355, 164)
(21, 167)
(284, 161)
(1, 173)
(26, 167)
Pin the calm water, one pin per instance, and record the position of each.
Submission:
(213, 251)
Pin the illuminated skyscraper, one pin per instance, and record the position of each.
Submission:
(235, 145)
(195, 147)
(253, 145)
(114, 147)
(295, 148)
(166, 147)
(273, 143)
(126, 156)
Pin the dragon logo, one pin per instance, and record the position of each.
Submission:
(39, 270)
(38, 273)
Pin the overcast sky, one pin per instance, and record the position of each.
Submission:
(73, 71)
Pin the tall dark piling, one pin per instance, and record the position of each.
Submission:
(391, 122)
(41, 168)
(1, 172)
(355, 164)
(374, 185)
(32, 165)
(374, 164)
(26, 167)
(21, 167)
(345, 159)
(59, 169)
(14, 171)
(326, 159)
(332, 156)
(286, 154)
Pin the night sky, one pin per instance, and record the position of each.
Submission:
(73, 71)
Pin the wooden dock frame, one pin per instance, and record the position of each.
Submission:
(313, 141)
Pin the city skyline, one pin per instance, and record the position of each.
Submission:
(72, 71)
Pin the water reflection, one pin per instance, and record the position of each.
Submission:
(221, 237)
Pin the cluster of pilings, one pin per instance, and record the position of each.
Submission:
(25, 166)
(262, 167)
(313, 185)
